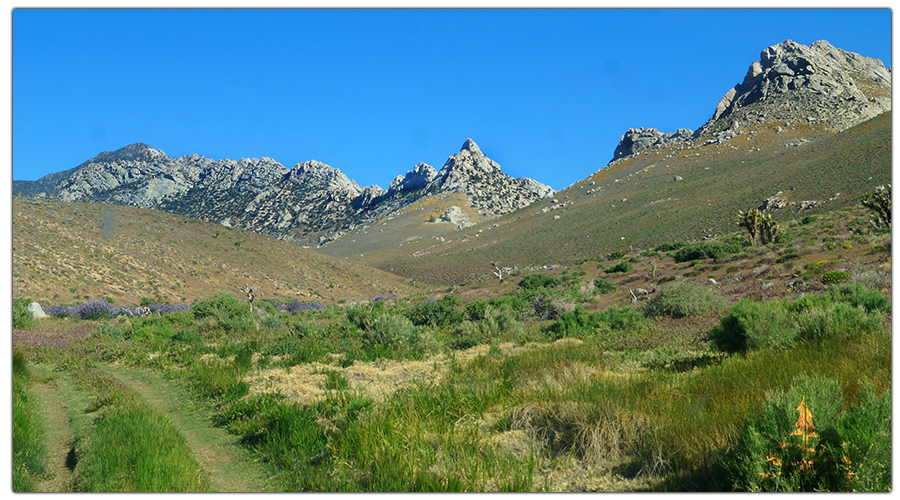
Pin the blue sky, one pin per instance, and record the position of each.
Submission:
(545, 93)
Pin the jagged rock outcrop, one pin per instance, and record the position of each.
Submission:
(309, 204)
(421, 176)
(638, 139)
(819, 85)
(487, 187)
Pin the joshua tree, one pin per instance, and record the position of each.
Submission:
(758, 225)
(768, 228)
(879, 201)
(251, 294)
(749, 220)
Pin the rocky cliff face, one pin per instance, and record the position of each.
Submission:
(489, 189)
(309, 204)
(818, 85)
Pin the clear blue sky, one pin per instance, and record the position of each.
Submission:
(545, 93)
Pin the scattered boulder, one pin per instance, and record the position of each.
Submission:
(37, 311)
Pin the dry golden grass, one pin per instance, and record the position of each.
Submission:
(63, 252)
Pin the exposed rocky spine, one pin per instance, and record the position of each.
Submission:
(309, 204)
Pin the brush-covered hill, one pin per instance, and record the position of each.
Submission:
(807, 131)
(66, 251)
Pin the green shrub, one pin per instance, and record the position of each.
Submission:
(273, 322)
(668, 247)
(151, 330)
(618, 254)
(574, 323)
(22, 317)
(546, 306)
(706, 250)
(580, 322)
(806, 439)
(838, 320)
(809, 219)
(362, 316)
(436, 313)
(535, 281)
(391, 331)
(604, 286)
(230, 313)
(501, 321)
(187, 337)
(475, 310)
(622, 267)
(754, 326)
(859, 295)
(108, 330)
(497, 323)
(683, 299)
(621, 318)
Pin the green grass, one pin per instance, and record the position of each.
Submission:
(129, 447)
(29, 451)
(644, 401)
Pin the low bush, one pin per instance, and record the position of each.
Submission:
(604, 286)
(706, 250)
(835, 276)
(475, 310)
(622, 267)
(681, 299)
(497, 323)
(618, 254)
(754, 326)
(580, 322)
(840, 311)
(535, 281)
(391, 331)
(668, 247)
(808, 439)
(550, 306)
(229, 313)
(22, 317)
(439, 313)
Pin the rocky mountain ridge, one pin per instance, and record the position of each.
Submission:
(310, 204)
(819, 85)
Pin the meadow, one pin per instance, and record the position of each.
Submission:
(705, 366)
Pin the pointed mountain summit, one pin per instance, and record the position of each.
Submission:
(819, 86)
(470, 146)
(133, 152)
(484, 183)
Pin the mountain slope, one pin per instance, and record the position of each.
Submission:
(309, 204)
(83, 251)
(677, 192)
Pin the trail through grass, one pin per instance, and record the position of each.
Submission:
(229, 467)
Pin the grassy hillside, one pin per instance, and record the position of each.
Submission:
(637, 204)
(551, 380)
(64, 252)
